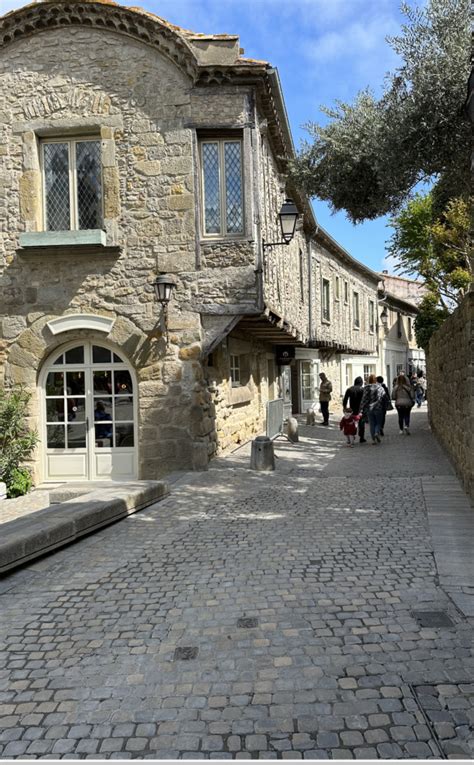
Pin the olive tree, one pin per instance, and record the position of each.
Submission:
(371, 154)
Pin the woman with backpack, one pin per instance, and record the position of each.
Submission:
(404, 398)
(373, 407)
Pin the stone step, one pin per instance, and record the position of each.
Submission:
(59, 524)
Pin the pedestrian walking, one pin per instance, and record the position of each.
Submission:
(388, 403)
(325, 390)
(404, 398)
(352, 398)
(348, 425)
(420, 389)
(373, 406)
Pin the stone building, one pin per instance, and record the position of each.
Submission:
(347, 319)
(398, 349)
(412, 290)
(129, 149)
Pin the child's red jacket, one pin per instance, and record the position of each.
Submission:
(349, 424)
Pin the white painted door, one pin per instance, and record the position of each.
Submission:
(89, 415)
(308, 384)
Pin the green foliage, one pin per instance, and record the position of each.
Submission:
(429, 318)
(369, 156)
(20, 482)
(16, 441)
(436, 248)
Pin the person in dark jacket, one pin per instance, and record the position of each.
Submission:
(353, 395)
(372, 406)
(387, 402)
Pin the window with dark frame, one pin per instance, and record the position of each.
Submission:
(235, 370)
(325, 301)
(371, 316)
(72, 184)
(346, 292)
(222, 186)
(399, 324)
(356, 310)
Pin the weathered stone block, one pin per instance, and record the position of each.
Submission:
(181, 202)
(149, 168)
(13, 326)
(193, 352)
(30, 195)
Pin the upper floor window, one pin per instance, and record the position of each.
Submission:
(356, 309)
(410, 328)
(399, 324)
(325, 300)
(235, 370)
(337, 288)
(222, 192)
(72, 184)
(371, 316)
(346, 292)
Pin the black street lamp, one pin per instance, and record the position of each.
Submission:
(288, 216)
(384, 318)
(164, 286)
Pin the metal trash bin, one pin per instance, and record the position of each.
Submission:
(262, 456)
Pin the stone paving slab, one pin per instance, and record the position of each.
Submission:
(247, 615)
(451, 521)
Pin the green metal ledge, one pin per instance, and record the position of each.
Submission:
(62, 238)
(85, 242)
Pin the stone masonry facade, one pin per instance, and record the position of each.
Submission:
(451, 388)
(150, 93)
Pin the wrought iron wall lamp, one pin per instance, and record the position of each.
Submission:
(164, 286)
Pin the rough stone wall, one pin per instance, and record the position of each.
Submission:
(285, 267)
(340, 328)
(239, 411)
(450, 374)
(75, 81)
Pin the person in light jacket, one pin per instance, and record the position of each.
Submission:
(325, 390)
(404, 398)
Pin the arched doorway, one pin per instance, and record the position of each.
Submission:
(89, 418)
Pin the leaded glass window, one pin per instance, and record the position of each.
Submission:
(221, 162)
(326, 301)
(72, 185)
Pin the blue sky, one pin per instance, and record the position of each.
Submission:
(324, 50)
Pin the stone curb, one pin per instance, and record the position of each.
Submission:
(60, 524)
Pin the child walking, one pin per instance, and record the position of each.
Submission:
(348, 425)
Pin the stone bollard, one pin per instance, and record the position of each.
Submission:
(292, 430)
(262, 457)
(3, 490)
(310, 417)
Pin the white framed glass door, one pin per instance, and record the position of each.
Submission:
(308, 383)
(89, 414)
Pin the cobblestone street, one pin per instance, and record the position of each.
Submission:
(290, 615)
